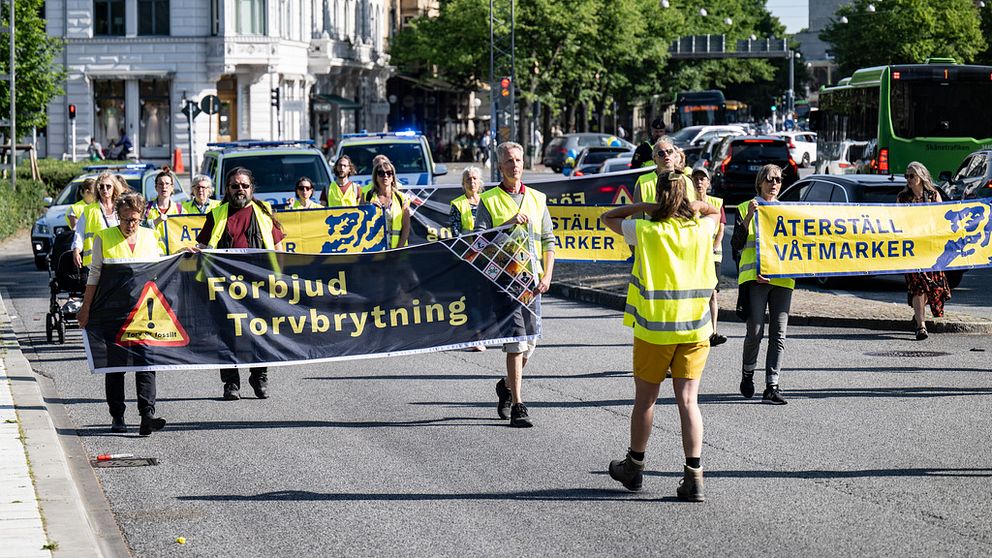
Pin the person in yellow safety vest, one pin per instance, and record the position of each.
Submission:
(461, 218)
(126, 240)
(761, 293)
(668, 308)
(304, 195)
(666, 158)
(376, 161)
(242, 221)
(701, 179)
(342, 192)
(86, 193)
(384, 194)
(97, 216)
(643, 155)
(513, 203)
(163, 205)
(201, 201)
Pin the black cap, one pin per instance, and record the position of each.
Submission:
(658, 124)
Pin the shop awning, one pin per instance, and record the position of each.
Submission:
(341, 102)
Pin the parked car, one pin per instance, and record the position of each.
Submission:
(714, 152)
(53, 222)
(591, 158)
(844, 160)
(802, 147)
(558, 148)
(734, 176)
(972, 180)
(692, 136)
(616, 164)
(852, 188)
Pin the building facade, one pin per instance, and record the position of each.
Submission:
(131, 64)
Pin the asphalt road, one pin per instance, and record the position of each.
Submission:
(882, 451)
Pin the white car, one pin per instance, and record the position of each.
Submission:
(845, 160)
(802, 147)
(692, 136)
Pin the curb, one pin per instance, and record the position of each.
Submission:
(75, 509)
(615, 301)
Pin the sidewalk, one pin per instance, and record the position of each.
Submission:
(605, 284)
(51, 503)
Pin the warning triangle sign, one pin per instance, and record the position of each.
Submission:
(152, 322)
(623, 196)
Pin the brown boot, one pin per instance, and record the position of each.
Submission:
(691, 487)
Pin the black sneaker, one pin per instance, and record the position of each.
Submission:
(627, 473)
(150, 424)
(747, 384)
(117, 425)
(773, 396)
(518, 416)
(717, 339)
(261, 386)
(503, 399)
(231, 392)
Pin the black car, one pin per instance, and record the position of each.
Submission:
(591, 158)
(972, 180)
(852, 188)
(558, 148)
(734, 176)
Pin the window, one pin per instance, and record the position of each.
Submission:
(153, 17)
(108, 18)
(818, 192)
(945, 110)
(156, 124)
(108, 100)
(250, 16)
(214, 18)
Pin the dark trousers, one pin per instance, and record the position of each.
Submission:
(231, 375)
(145, 387)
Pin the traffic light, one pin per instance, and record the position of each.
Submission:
(504, 87)
(275, 97)
(72, 112)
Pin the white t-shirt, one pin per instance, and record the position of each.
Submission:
(629, 227)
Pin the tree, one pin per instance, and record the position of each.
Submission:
(904, 32)
(38, 77)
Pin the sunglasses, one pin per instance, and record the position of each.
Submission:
(135, 220)
(384, 173)
(668, 152)
(105, 186)
(307, 188)
(239, 186)
(774, 179)
(909, 175)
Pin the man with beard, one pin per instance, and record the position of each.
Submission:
(241, 222)
(342, 192)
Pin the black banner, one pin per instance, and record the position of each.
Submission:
(259, 308)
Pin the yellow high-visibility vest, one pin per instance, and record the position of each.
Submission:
(647, 186)
(718, 251)
(115, 246)
(748, 266)
(337, 198)
(153, 213)
(297, 204)
(668, 298)
(75, 210)
(502, 208)
(190, 207)
(394, 216)
(220, 225)
(464, 208)
(95, 222)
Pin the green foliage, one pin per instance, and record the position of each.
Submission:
(38, 76)
(904, 32)
(586, 51)
(55, 174)
(20, 209)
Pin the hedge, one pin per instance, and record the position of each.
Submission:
(21, 209)
(55, 174)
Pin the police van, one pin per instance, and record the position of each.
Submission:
(139, 176)
(276, 166)
(407, 150)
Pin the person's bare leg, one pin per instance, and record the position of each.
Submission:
(686, 398)
(919, 310)
(642, 416)
(515, 363)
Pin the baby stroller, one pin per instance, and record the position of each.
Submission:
(67, 280)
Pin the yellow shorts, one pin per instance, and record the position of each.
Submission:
(687, 360)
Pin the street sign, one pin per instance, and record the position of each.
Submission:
(210, 104)
(191, 110)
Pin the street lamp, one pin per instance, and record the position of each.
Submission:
(666, 4)
(703, 12)
(871, 8)
(843, 19)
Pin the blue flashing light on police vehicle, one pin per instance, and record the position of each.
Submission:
(122, 166)
(408, 150)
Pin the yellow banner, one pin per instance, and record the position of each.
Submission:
(808, 240)
(581, 236)
(308, 231)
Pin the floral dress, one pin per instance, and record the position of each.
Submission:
(931, 284)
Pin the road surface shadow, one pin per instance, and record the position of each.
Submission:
(556, 495)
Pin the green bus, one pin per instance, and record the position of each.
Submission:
(880, 119)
